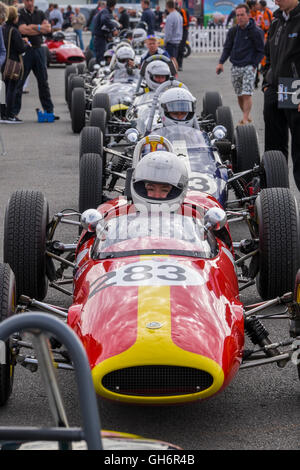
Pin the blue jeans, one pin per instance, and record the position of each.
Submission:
(34, 60)
(99, 48)
(79, 36)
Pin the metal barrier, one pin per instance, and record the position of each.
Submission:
(37, 324)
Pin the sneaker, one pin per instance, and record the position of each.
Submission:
(13, 120)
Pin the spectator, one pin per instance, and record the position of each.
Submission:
(158, 18)
(244, 45)
(255, 12)
(67, 17)
(78, 23)
(267, 16)
(99, 7)
(33, 24)
(231, 17)
(123, 18)
(185, 33)
(56, 18)
(104, 25)
(15, 46)
(48, 11)
(3, 16)
(152, 44)
(148, 16)
(173, 31)
(283, 60)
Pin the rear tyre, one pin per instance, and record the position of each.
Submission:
(246, 153)
(187, 50)
(98, 119)
(7, 308)
(224, 118)
(75, 81)
(102, 100)
(81, 68)
(91, 141)
(90, 182)
(25, 231)
(211, 101)
(78, 110)
(275, 172)
(277, 218)
(68, 70)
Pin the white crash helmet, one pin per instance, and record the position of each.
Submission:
(160, 167)
(156, 68)
(139, 36)
(177, 100)
(123, 55)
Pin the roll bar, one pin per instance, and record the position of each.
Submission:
(37, 324)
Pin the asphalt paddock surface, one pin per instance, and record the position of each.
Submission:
(258, 410)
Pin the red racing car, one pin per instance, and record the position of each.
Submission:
(156, 305)
(61, 50)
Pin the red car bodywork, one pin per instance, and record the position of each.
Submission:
(63, 52)
(200, 322)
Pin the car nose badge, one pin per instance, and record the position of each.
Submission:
(154, 325)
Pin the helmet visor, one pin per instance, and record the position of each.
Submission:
(179, 107)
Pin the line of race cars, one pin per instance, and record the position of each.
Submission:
(155, 283)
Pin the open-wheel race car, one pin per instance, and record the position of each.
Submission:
(155, 300)
(110, 100)
(222, 160)
(62, 49)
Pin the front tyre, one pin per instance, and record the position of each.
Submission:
(7, 308)
(25, 231)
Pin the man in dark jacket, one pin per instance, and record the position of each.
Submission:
(148, 16)
(123, 18)
(244, 45)
(104, 26)
(283, 60)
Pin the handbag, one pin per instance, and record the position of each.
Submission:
(13, 70)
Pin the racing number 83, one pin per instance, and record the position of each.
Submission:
(150, 273)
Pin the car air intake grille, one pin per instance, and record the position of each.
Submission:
(157, 381)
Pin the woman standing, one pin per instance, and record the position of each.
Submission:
(16, 47)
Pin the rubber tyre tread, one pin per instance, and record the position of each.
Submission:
(275, 170)
(7, 308)
(90, 182)
(25, 230)
(98, 119)
(211, 101)
(224, 118)
(247, 153)
(68, 70)
(91, 141)
(78, 110)
(102, 100)
(91, 64)
(69, 89)
(75, 81)
(278, 225)
(81, 67)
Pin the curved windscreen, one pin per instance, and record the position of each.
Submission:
(162, 233)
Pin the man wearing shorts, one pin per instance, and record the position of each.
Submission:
(244, 45)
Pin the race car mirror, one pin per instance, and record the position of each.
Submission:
(215, 219)
(288, 92)
(219, 132)
(90, 219)
(132, 135)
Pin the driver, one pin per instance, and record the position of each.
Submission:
(159, 178)
(157, 72)
(177, 106)
(125, 65)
